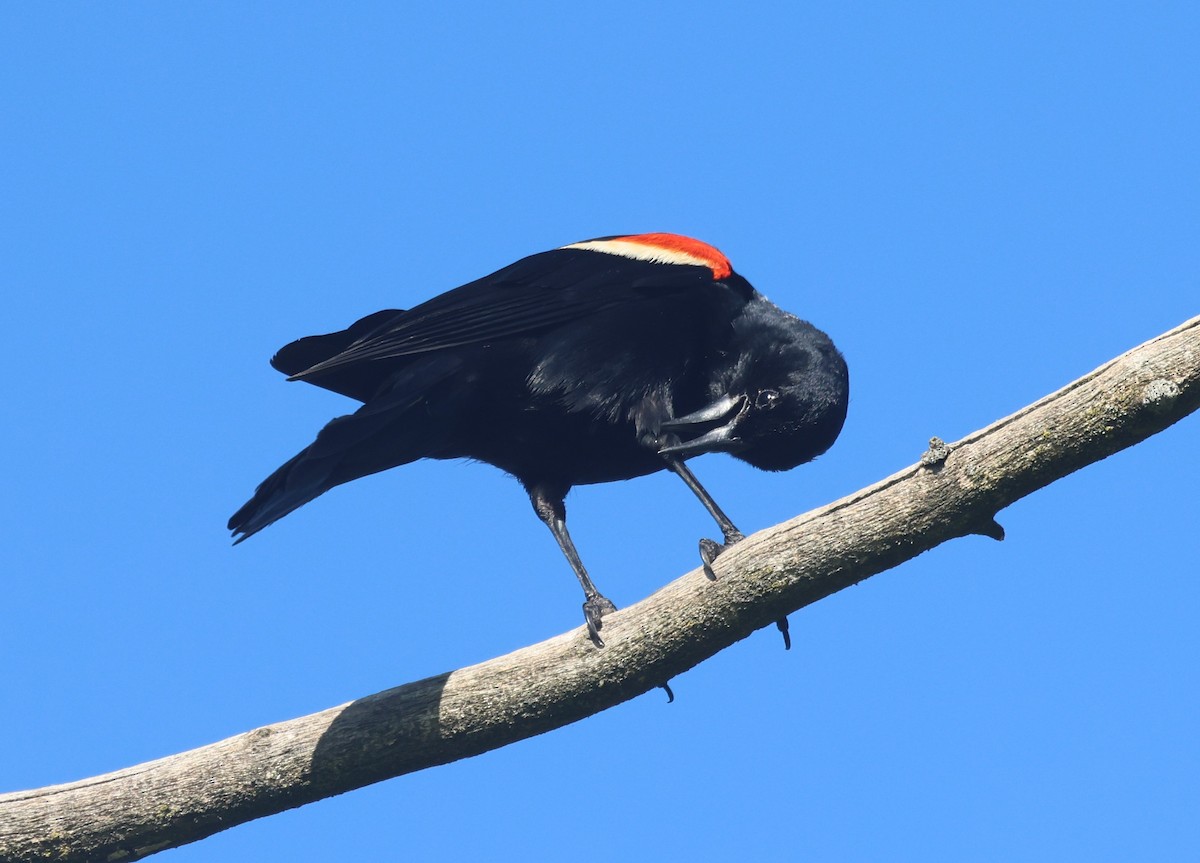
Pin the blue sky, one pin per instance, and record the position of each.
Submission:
(979, 202)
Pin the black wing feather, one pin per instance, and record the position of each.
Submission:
(531, 296)
(305, 353)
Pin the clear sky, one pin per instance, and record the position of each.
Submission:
(978, 201)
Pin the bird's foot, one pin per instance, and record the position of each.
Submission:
(709, 549)
(594, 608)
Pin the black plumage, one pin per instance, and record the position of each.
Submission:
(604, 361)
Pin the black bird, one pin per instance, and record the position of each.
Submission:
(599, 361)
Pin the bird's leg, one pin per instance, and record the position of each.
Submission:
(708, 548)
(553, 512)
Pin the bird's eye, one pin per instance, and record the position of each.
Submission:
(766, 398)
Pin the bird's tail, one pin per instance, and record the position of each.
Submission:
(273, 499)
(384, 433)
(349, 447)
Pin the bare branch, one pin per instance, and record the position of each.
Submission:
(956, 489)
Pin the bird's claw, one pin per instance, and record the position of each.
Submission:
(708, 553)
(594, 608)
(782, 625)
(710, 548)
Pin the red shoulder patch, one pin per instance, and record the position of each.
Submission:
(662, 248)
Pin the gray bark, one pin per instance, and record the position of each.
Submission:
(954, 490)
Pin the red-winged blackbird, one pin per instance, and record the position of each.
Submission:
(598, 361)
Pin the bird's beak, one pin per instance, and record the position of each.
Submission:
(714, 422)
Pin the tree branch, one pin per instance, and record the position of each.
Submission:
(955, 490)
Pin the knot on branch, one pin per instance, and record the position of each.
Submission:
(937, 453)
(1160, 394)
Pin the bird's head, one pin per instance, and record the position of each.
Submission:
(781, 400)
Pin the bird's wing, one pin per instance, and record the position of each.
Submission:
(358, 383)
(305, 353)
(531, 296)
